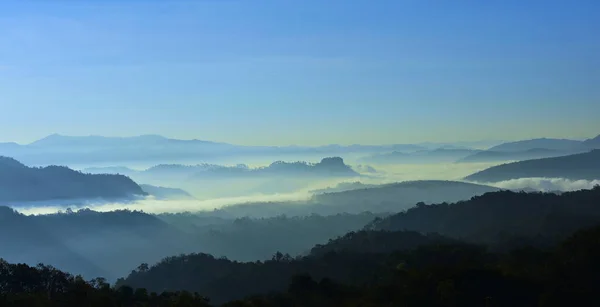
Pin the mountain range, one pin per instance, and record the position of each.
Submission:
(20, 183)
(576, 167)
(61, 149)
(332, 166)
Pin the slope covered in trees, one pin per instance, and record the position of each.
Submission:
(535, 153)
(21, 183)
(502, 215)
(577, 166)
(553, 264)
(437, 274)
(399, 196)
(522, 231)
(110, 244)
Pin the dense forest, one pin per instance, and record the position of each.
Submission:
(110, 244)
(20, 183)
(430, 273)
(499, 249)
(575, 167)
(502, 215)
(477, 239)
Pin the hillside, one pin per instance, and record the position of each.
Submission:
(494, 216)
(400, 196)
(19, 183)
(165, 193)
(593, 143)
(531, 257)
(493, 156)
(575, 167)
(94, 244)
(544, 143)
(428, 274)
(327, 167)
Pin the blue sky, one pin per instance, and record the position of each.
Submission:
(300, 72)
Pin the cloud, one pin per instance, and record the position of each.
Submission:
(547, 184)
(153, 205)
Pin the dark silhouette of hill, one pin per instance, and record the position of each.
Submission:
(110, 244)
(396, 197)
(247, 239)
(534, 153)
(564, 145)
(539, 253)
(536, 249)
(420, 157)
(430, 274)
(165, 193)
(384, 198)
(95, 244)
(327, 167)
(492, 216)
(593, 143)
(577, 166)
(21, 183)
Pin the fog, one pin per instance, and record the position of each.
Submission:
(218, 193)
(547, 184)
(155, 206)
(238, 213)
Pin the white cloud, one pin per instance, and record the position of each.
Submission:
(547, 184)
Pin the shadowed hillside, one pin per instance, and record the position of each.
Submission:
(537, 251)
(490, 217)
(19, 183)
(535, 153)
(575, 167)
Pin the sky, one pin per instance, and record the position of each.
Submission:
(283, 72)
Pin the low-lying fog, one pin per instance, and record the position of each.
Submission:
(211, 194)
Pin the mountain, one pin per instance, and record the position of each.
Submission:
(400, 196)
(545, 143)
(493, 156)
(165, 193)
(575, 167)
(327, 167)
(593, 143)
(61, 149)
(492, 216)
(420, 157)
(501, 247)
(95, 244)
(19, 183)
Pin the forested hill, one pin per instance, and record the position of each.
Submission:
(503, 214)
(434, 274)
(576, 167)
(399, 196)
(20, 183)
(430, 246)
